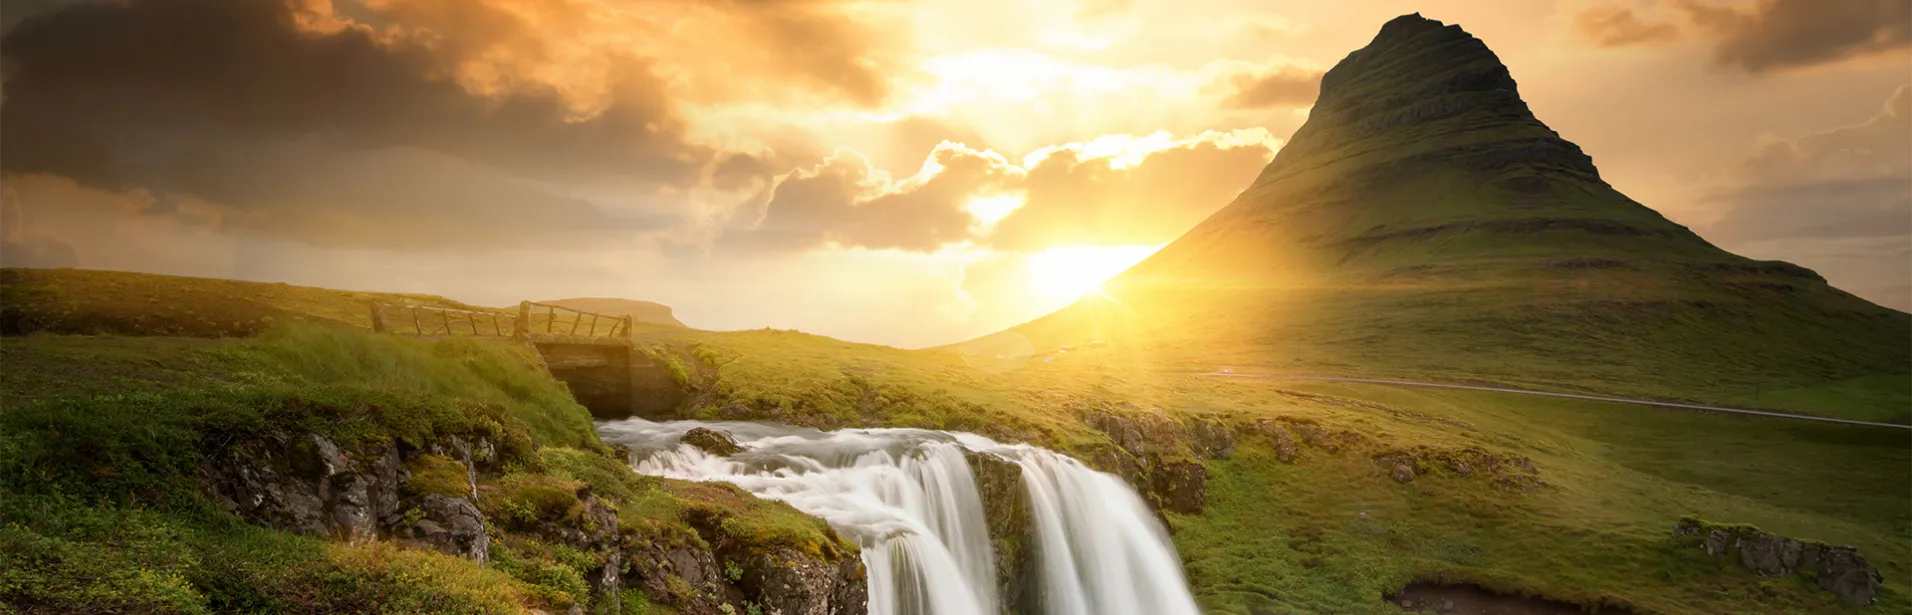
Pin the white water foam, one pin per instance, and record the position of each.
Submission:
(909, 499)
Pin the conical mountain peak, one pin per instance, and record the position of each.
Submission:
(1430, 90)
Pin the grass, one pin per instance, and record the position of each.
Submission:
(100, 441)
(1334, 533)
(88, 302)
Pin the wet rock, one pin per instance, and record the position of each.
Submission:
(790, 582)
(1839, 569)
(1006, 513)
(712, 441)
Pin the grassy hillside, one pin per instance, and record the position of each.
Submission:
(101, 444)
(88, 302)
(1333, 532)
(1424, 224)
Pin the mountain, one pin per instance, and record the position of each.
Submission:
(640, 311)
(1423, 222)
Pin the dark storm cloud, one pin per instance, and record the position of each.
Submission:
(1781, 34)
(104, 91)
(1281, 87)
(1614, 26)
(297, 118)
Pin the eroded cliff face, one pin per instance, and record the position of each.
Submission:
(452, 495)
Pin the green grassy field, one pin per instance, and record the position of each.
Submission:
(100, 442)
(1330, 533)
(1333, 533)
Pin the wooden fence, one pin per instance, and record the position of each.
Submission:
(533, 320)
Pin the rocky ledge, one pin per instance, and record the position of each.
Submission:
(454, 495)
(1837, 569)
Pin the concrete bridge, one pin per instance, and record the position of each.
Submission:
(600, 357)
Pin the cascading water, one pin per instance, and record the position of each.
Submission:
(909, 499)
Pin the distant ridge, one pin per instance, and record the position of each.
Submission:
(640, 311)
(1423, 222)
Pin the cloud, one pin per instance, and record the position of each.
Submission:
(1142, 193)
(98, 90)
(25, 246)
(1614, 26)
(1844, 194)
(1775, 35)
(1286, 86)
(846, 202)
(1114, 190)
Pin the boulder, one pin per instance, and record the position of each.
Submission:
(1838, 569)
(712, 441)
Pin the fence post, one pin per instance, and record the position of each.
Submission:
(378, 321)
(522, 329)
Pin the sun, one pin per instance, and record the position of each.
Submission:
(1064, 274)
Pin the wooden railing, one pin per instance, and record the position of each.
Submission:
(532, 321)
(557, 320)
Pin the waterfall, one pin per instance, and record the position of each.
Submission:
(909, 498)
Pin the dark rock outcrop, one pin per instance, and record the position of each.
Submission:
(450, 525)
(793, 583)
(308, 483)
(1508, 471)
(1153, 454)
(1006, 513)
(712, 441)
(1838, 569)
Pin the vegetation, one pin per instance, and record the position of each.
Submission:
(1333, 532)
(100, 443)
(87, 302)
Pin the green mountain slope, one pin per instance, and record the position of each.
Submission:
(1423, 223)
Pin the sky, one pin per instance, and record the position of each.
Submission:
(901, 172)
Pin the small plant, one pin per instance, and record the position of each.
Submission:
(733, 572)
(727, 609)
(752, 608)
(413, 516)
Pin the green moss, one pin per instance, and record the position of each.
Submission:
(437, 474)
(58, 555)
(523, 500)
(609, 478)
(556, 584)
